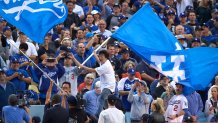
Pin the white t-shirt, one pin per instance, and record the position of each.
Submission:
(111, 115)
(175, 105)
(107, 76)
(78, 10)
(106, 32)
(71, 74)
(122, 82)
(31, 49)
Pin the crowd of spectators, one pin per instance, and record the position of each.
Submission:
(114, 85)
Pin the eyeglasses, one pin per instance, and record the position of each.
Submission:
(15, 62)
(89, 78)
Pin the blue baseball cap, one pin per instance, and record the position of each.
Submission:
(89, 35)
(205, 25)
(103, 37)
(6, 28)
(137, 4)
(1, 70)
(72, 100)
(14, 60)
(122, 17)
(167, 7)
(189, 8)
(171, 12)
(182, 15)
(196, 40)
(131, 71)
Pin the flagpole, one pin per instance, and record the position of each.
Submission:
(36, 65)
(96, 50)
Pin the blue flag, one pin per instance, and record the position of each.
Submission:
(146, 27)
(146, 36)
(33, 17)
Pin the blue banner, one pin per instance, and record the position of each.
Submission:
(146, 35)
(33, 17)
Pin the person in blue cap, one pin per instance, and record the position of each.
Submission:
(19, 77)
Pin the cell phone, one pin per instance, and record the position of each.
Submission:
(214, 104)
(50, 60)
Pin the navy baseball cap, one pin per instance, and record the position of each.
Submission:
(116, 44)
(131, 71)
(189, 8)
(167, 7)
(6, 28)
(1, 70)
(14, 60)
(126, 50)
(103, 37)
(214, 11)
(182, 15)
(196, 40)
(72, 100)
(137, 4)
(116, 5)
(171, 12)
(122, 17)
(205, 25)
(216, 18)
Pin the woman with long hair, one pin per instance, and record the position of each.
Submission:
(211, 107)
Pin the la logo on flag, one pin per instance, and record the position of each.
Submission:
(33, 17)
(170, 65)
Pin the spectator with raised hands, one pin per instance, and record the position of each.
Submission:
(54, 70)
(138, 101)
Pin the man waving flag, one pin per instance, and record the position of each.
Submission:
(33, 17)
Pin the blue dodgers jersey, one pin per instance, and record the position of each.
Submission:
(127, 87)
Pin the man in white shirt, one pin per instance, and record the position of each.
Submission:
(112, 114)
(102, 29)
(107, 77)
(176, 106)
(31, 52)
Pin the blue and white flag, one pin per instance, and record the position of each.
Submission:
(146, 27)
(145, 34)
(33, 17)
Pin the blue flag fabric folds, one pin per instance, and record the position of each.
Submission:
(33, 17)
(146, 27)
(194, 68)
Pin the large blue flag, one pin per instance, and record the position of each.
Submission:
(33, 17)
(152, 41)
(146, 27)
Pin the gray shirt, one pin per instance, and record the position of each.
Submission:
(138, 107)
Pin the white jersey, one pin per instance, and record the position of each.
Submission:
(71, 74)
(176, 104)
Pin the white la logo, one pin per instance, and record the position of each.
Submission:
(20, 9)
(175, 73)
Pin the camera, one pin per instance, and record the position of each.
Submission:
(188, 119)
(23, 98)
(20, 74)
(80, 101)
(50, 60)
(26, 98)
(214, 104)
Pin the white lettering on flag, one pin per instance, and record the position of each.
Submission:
(176, 73)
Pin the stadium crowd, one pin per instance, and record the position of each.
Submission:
(114, 85)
